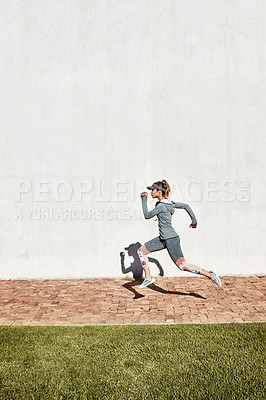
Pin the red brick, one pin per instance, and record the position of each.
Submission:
(106, 301)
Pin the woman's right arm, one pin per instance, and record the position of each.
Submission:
(149, 214)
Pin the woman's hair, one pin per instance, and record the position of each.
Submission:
(166, 186)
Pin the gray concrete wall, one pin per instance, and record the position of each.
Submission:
(100, 98)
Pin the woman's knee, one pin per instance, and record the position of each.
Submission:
(144, 249)
(179, 263)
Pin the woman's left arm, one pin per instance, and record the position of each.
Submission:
(189, 211)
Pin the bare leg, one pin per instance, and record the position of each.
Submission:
(185, 266)
(146, 269)
(145, 263)
(206, 273)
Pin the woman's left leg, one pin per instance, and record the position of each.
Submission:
(185, 266)
(175, 252)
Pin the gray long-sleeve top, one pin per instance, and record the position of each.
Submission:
(164, 210)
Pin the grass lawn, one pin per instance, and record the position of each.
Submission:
(213, 361)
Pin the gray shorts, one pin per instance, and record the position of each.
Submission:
(172, 245)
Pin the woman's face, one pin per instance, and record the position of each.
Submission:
(157, 194)
(154, 193)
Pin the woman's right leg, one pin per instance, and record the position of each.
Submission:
(154, 244)
(142, 253)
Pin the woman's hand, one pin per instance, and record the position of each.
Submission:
(192, 226)
(144, 194)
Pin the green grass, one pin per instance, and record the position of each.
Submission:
(213, 361)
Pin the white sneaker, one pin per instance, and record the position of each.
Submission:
(147, 282)
(216, 279)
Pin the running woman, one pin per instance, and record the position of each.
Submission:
(168, 238)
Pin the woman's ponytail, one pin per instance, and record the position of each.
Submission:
(166, 186)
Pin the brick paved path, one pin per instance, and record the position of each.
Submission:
(119, 301)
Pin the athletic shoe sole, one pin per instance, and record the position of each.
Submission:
(147, 282)
(216, 279)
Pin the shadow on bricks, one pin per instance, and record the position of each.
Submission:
(130, 286)
(137, 282)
